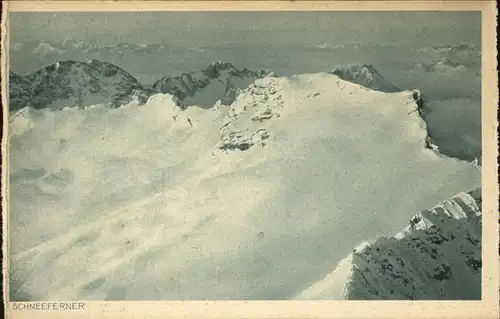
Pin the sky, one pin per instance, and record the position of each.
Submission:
(287, 42)
(272, 27)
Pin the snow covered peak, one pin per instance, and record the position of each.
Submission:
(436, 257)
(44, 48)
(218, 81)
(73, 83)
(441, 65)
(365, 75)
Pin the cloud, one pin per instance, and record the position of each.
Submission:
(455, 125)
(196, 49)
(450, 78)
(446, 72)
(46, 49)
(327, 46)
(442, 81)
(464, 53)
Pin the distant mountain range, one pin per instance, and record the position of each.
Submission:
(75, 83)
(443, 64)
(69, 84)
(38, 47)
(220, 80)
(80, 84)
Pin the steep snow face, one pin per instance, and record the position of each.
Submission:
(365, 75)
(72, 83)
(243, 201)
(220, 80)
(436, 257)
(19, 90)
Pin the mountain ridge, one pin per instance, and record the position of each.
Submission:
(365, 75)
(221, 81)
(447, 236)
(185, 86)
(77, 83)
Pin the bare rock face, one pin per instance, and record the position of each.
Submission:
(218, 81)
(436, 257)
(74, 83)
(248, 119)
(19, 91)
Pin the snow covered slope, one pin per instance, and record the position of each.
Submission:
(220, 80)
(436, 257)
(254, 200)
(365, 75)
(73, 83)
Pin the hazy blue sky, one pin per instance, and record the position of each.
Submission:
(259, 39)
(281, 27)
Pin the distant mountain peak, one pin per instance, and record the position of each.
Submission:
(218, 81)
(71, 83)
(440, 65)
(449, 62)
(365, 75)
(222, 65)
(77, 83)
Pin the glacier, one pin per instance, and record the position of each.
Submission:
(258, 197)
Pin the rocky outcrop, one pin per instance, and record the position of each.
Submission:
(19, 91)
(436, 257)
(218, 81)
(74, 83)
(247, 120)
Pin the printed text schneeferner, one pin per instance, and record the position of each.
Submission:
(33, 306)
